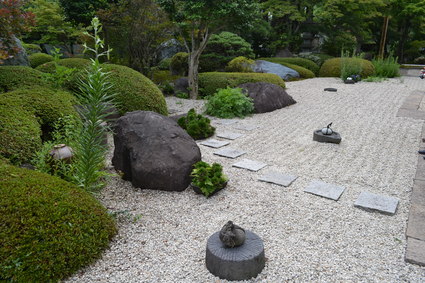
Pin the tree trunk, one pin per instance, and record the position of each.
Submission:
(193, 74)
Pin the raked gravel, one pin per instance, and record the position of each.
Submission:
(162, 235)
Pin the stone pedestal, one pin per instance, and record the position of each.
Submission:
(332, 138)
(239, 263)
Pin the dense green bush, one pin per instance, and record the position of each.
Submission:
(37, 59)
(179, 64)
(221, 49)
(386, 68)
(304, 73)
(306, 63)
(31, 48)
(240, 64)
(333, 45)
(163, 76)
(77, 63)
(13, 77)
(332, 67)
(134, 91)
(49, 227)
(164, 64)
(209, 83)
(196, 125)
(229, 103)
(318, 58)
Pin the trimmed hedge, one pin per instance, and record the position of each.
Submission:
(49, 228)
(304, 73)
(135, 91)
(240, 64)
(332, 67)
(14, 77)
(210, 82)
(302, 62)
(37, 59)
(77, 63)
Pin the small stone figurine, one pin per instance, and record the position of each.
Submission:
(232, 235)
(327, 130)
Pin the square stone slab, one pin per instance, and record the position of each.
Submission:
(226, 121)
(214, 143)
(245, 127)
(383, 204)
(249, 164)
(278, 178)
(229, 152)
(229, 135)
(324, 190)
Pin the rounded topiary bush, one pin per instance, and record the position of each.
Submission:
(179, 63)
(13, 77)
(37, 59)
(134, 91)
(240, 64)
(306, 63)
(49, 228)
(209, 83)
(77, 63)
(304, 73)
(31, 48)
(332, 67)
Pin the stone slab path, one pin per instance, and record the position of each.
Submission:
(215, 143)
(250, 165)
(325, 190)
(380, 203)
(229, 135)
(278, 178)
(230, 152)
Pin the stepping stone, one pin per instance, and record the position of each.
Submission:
(383, 204)
(214, 143)
(229, 135)
(250, 165)
(245, 127)
(227, 121)
(229, 152)
(278, 178)
(324, 190)
(330, 89)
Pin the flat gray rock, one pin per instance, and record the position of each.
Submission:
(383, 204)
(250, 165)
(245, 127)
(284, 72)
(229, 135)
(226, 121)
(325, 190)
(278, 178)
(229, 152)
(214, 143)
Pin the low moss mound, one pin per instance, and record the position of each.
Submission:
(31, 48)
(304, 73)
(209, 83)
(332, 67)
(49, 228)
(13, 77)
(163, 76)
(306, 63)
(77, 63)
(37, 59)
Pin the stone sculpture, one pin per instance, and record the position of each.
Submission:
(232, 235)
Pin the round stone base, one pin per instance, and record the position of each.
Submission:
(239, 263)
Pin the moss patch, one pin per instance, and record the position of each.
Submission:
(13, 77)
(37, 59)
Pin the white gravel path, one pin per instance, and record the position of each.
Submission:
(162, 235)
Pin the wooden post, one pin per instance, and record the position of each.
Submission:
(383, 37)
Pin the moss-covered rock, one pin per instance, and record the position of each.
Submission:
(13, 77)
(332, 67)
(77, 63)
(210, 82)
(37, 59)
(308, 64)
(49, 228)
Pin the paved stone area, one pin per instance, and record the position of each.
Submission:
(215, 143)
(278, 178)
(411, 105)
(249, 164)
(229, 135)
(325, 190)
(230, 152)
(415, 251)
(244, 127)
(380, 203)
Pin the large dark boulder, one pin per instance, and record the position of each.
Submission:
(181, 85)
(20, 58)
(153, 151)
(267, 97)
(285, 73)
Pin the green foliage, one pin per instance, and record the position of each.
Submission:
(334, 44)
(61, 75)
(196, 125)
(386, 68)
(13, 77)
(50, 228)
(304, 73)
(165, 64)
(240, 64)
(82, 11)
(182, 95)
(229, 103)
(332, 67)
(317, 58)
(308, 64)
(350, 67)
(179, 63)
(373, 79)
(161, 77)
(210, 82)
(208, 178)
(76, 63)
(221, 49)
(31, 48)
(37, 59)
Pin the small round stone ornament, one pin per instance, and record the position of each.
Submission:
(327, 130)
(232, 235)
(62, 152)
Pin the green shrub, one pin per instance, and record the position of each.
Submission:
(332, 67)
(221, 49)
(209, 83)
(13, 77)
(31, 48)
(240, 65)
(208, 178)
(37, 59)
(77, 63)
(386, 68)
(161, 76)
(229, 103)
(134, 91)
(308, 64)
(196, 125)
(333, 45)
(179, 64)
(317, 58)
(304, 73)
(49, 227)
(164, 64)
